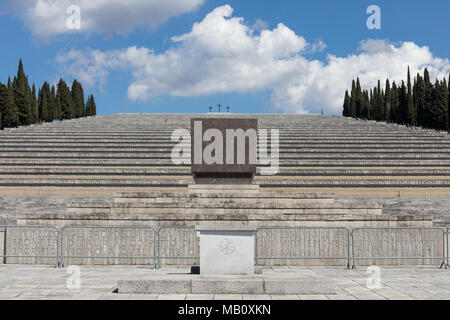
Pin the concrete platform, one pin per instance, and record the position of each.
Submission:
(18, 282)
(258, 284)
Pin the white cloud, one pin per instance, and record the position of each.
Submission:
(47, 18)
(260, 25)
(318, 46)
(222, 54)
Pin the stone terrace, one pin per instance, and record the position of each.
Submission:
(46, 283)
(48, 166)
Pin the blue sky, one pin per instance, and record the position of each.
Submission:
(302, 80)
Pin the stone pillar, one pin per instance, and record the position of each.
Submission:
(227, 250)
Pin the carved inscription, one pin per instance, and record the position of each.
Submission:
(178, 242)
(302, 243)
(108, 242)
(31, 242)
(423, 243)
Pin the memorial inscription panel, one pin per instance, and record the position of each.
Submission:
(287, 243)
(422, 243)
(178, 243)
(30, 245)
(129, 245)
(222, 146)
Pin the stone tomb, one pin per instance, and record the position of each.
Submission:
(227, 250)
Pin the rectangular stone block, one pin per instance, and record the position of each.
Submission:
(223, 188)
(310, 285)
(227, 250)
(227, 286)
(157, 286)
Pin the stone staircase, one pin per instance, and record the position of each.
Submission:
(98, 157)
(226, 204)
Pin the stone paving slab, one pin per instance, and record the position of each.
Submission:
(100, 282)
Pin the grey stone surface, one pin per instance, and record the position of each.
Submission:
(227, 286)
(157, 286)
(103, 146)
(101, 155)
(310, 285)
(229, 228)
(228, 250)
(41, 282)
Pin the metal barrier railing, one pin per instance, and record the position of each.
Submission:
(30, 242)
(108, 242)
(306, 243)
(177, 243)
(447, 227)
(399, 243)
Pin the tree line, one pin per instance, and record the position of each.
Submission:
(421, 103)
(21, 105)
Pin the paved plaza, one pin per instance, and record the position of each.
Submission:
(100, 282)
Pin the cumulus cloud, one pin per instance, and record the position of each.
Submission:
(222, 54)
(47, 18)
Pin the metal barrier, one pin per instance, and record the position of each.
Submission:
(447, 226)
(174, 242)
(315, 243)
(399, 243)
(112, 242)
(177, 243)
(29, 242)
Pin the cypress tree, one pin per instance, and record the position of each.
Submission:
(45, 98)
(428, 104)
(394, 103)
(448, 104)
(353, 100)
(365, 113)
(387, 101)
(54, 106)
(358, 99)
(93, 106)
(402, 103)
(91, 109)
(380, 102)
(10, 116)
(439, 112)
(64, 100)
(78, 99)
(3, 99)
(410, 105)
(346, 112)
(373, 104)
(22, 96)
(444, 105)
(419, 100)
(34, 105)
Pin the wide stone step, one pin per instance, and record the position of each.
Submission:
(284, 140)
(168, 146)
(354, 183)
(220, 211)
(276, 285)
(185, 171)
(263, 183)
(240, 203)
(287, 156)
(218, 194)
(168, 162)
(259, 220)
(284, 152)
